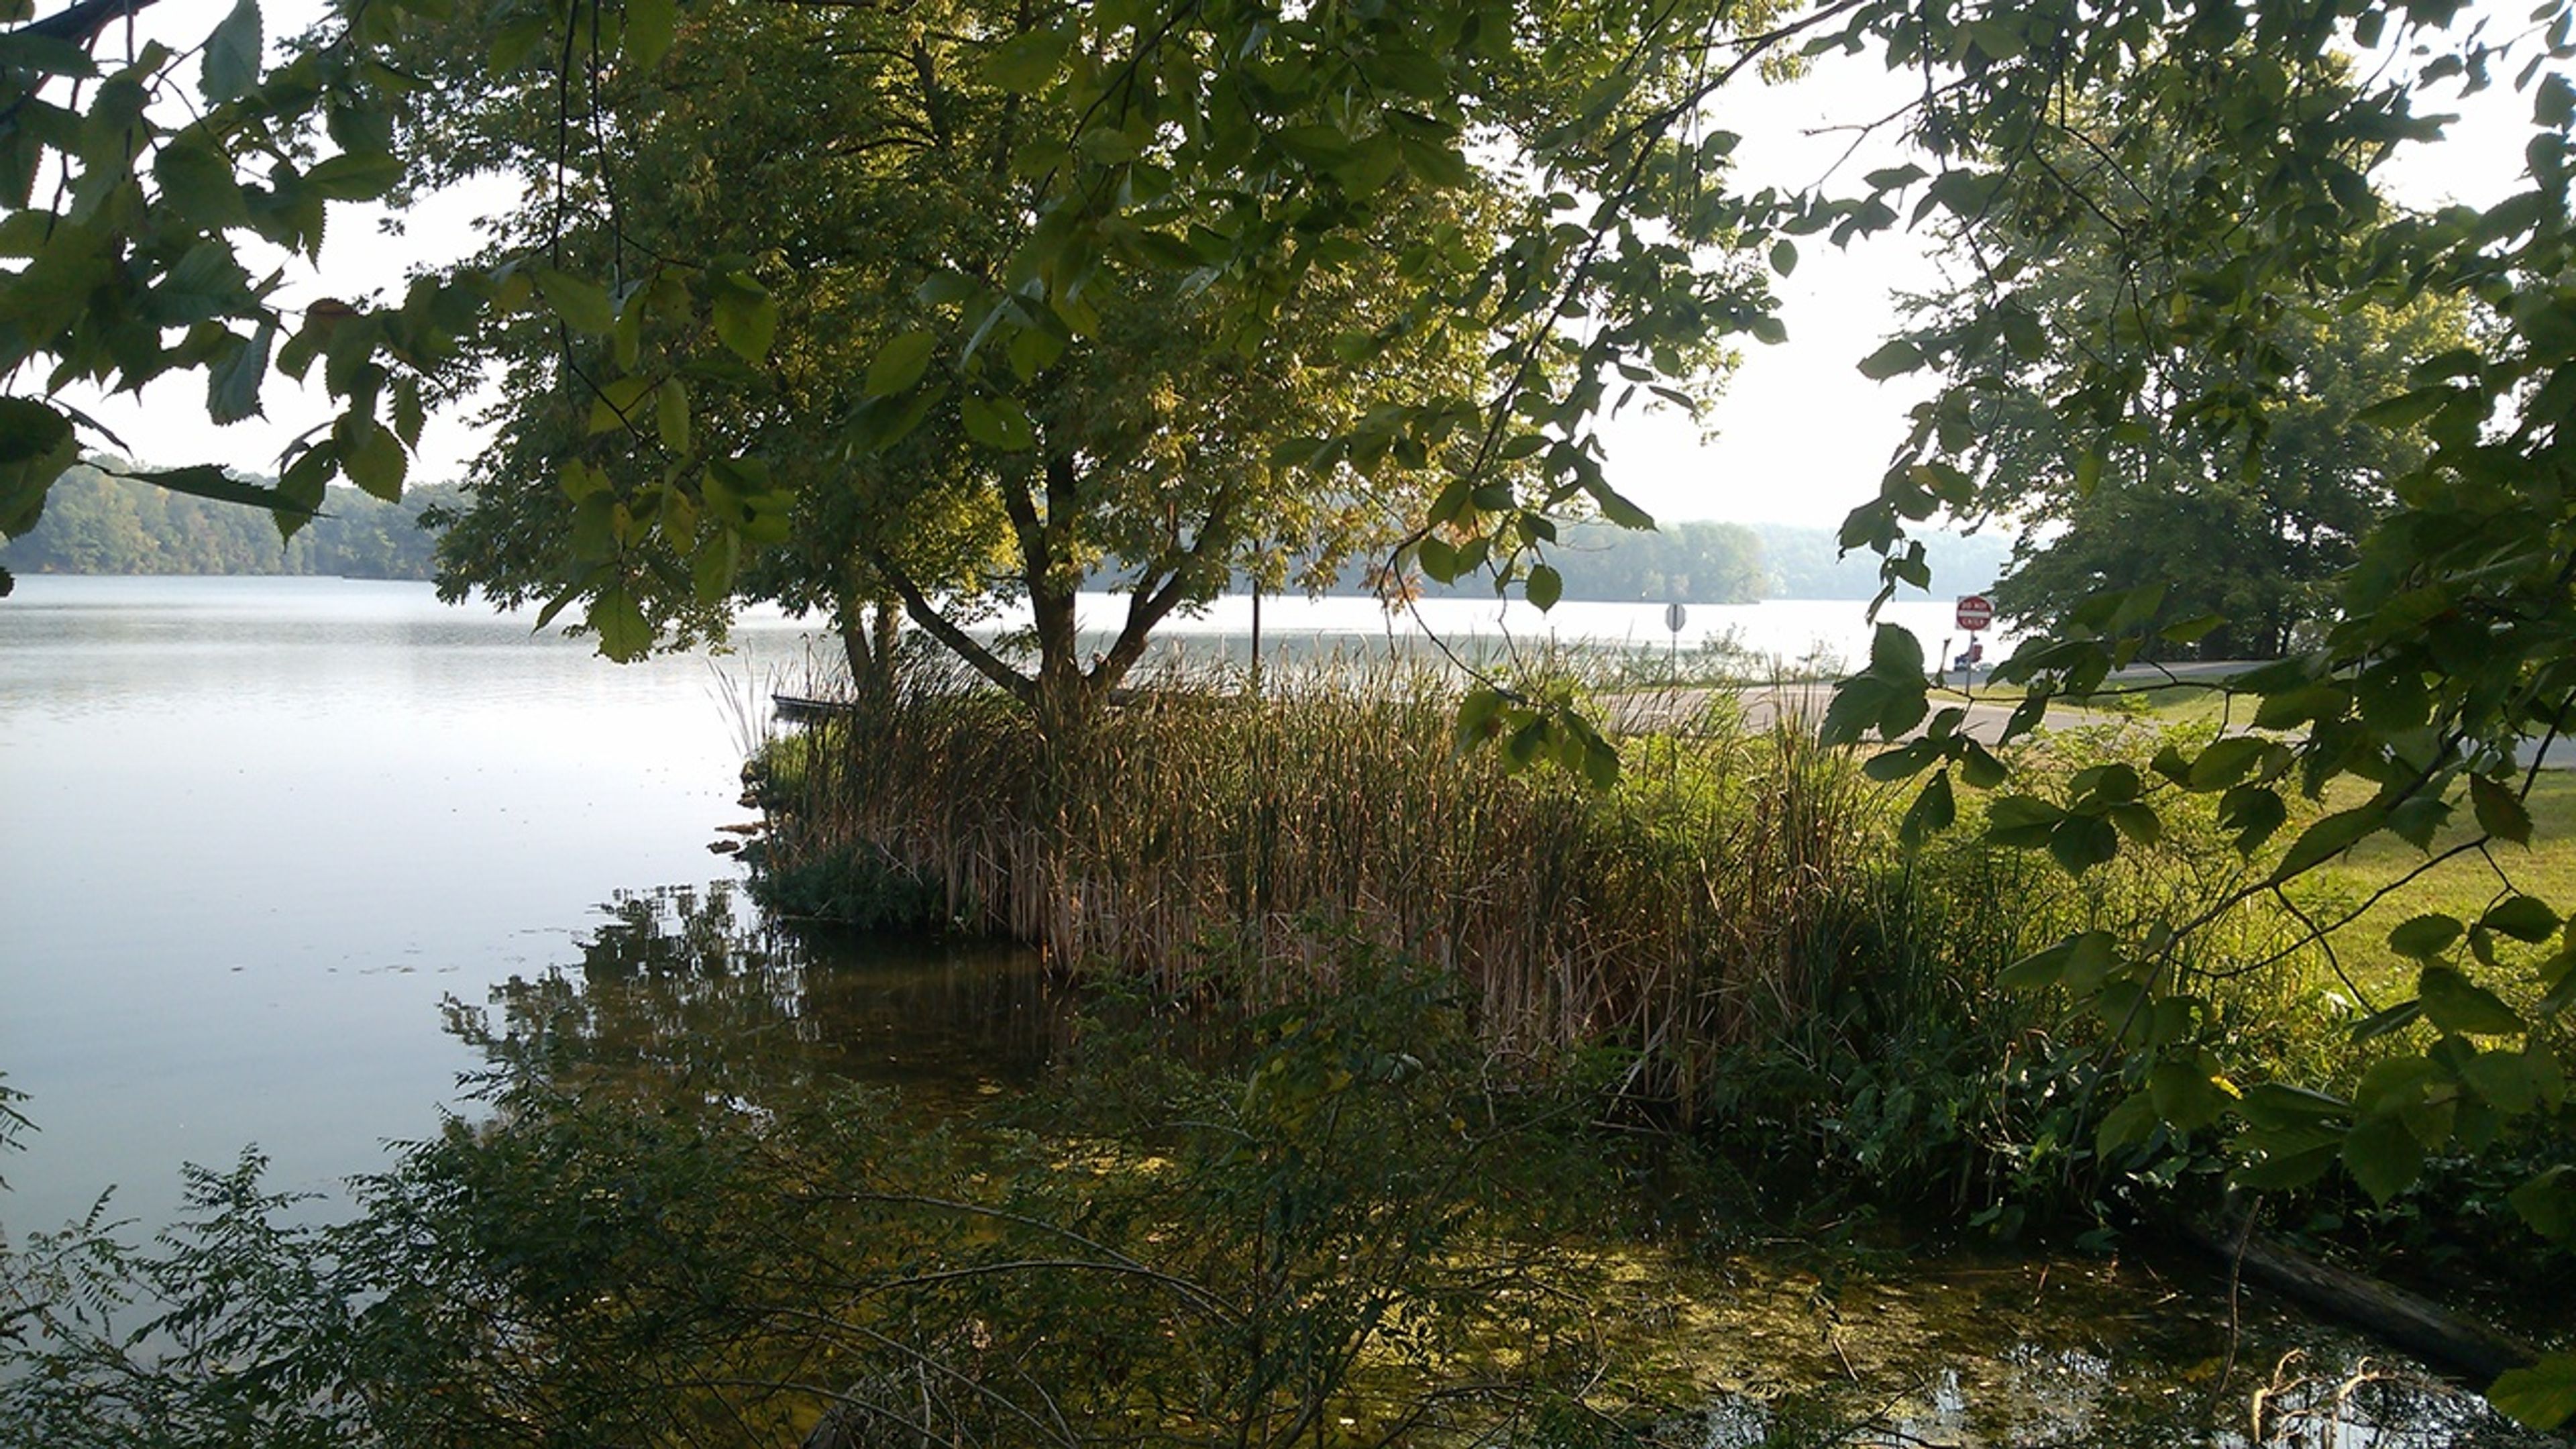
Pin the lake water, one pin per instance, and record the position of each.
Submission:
(257, 831)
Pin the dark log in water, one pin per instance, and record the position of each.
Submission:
(2418, 1325)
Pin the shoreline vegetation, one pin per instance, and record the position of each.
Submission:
(1735, 924)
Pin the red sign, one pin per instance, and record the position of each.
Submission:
(1976, 611)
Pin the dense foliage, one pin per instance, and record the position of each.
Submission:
(102, 523)
(872, 162)
(2243, 530)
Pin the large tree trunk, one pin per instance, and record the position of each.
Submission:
(1067, 695)
(869, 628)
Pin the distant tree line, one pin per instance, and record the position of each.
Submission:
(1729, 563)
(1803, 563)
(96, 523)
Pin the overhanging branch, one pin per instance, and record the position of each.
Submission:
(80, 24)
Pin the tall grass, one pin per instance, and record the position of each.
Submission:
(1209, 844)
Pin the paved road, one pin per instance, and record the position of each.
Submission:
(1763, 705)
(1677, 710)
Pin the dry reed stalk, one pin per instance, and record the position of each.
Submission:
(1205, 844)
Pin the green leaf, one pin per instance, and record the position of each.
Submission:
(516, 43)
(232, 55)
(623, 633)
(2253, 813)
(356, 176)
(376, 462)
(2499, 813)
(2542, 1395)
(998, 423)
(650, 27)
(232, 385)
(2080, 842)
(1438, 165)
(2504, 1079)
(619, 404)
(1979, 767)
(2548, 1203)
(2417, 820)
(1545, 586)
(36, 445)
(2425, 936)
(583, 305)
(2021, 821)
(2139, 822)
(210, 482)
(2383, 1156)
(1932, 812)
(2226, 761)
(44, 55)
(2525, 918)
(1896, 656)
(713, 566)
(2386, 1020)
(671, 415)
(2460, 1006)
(900, 364)
(2285, 1171)
(746, 317)
(2280, 1105)
(411, 414)
(1892, 359)
(197, 181)
(1784, 256)
(2186, 1095)
(1027, 63)
(2328, 837)
(2126, 1125)
(2038, 970)
(883, 422)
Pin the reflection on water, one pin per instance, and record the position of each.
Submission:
(696, 988)
(692, 991)
(1957, 1350)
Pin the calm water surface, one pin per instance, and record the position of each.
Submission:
(257, 828)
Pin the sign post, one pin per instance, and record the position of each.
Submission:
(1976, 612)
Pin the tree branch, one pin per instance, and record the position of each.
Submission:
(80, 24)
(945, 630)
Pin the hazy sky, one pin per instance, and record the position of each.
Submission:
(1800, 437)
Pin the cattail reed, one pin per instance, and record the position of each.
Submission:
(1216, 845)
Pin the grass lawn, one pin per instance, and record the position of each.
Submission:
(2462, 886)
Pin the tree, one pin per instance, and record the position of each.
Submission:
(872, 154)
(2244, 535)
(951, 438)
(2449, 652)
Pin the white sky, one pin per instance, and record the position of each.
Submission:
(1800, 437)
